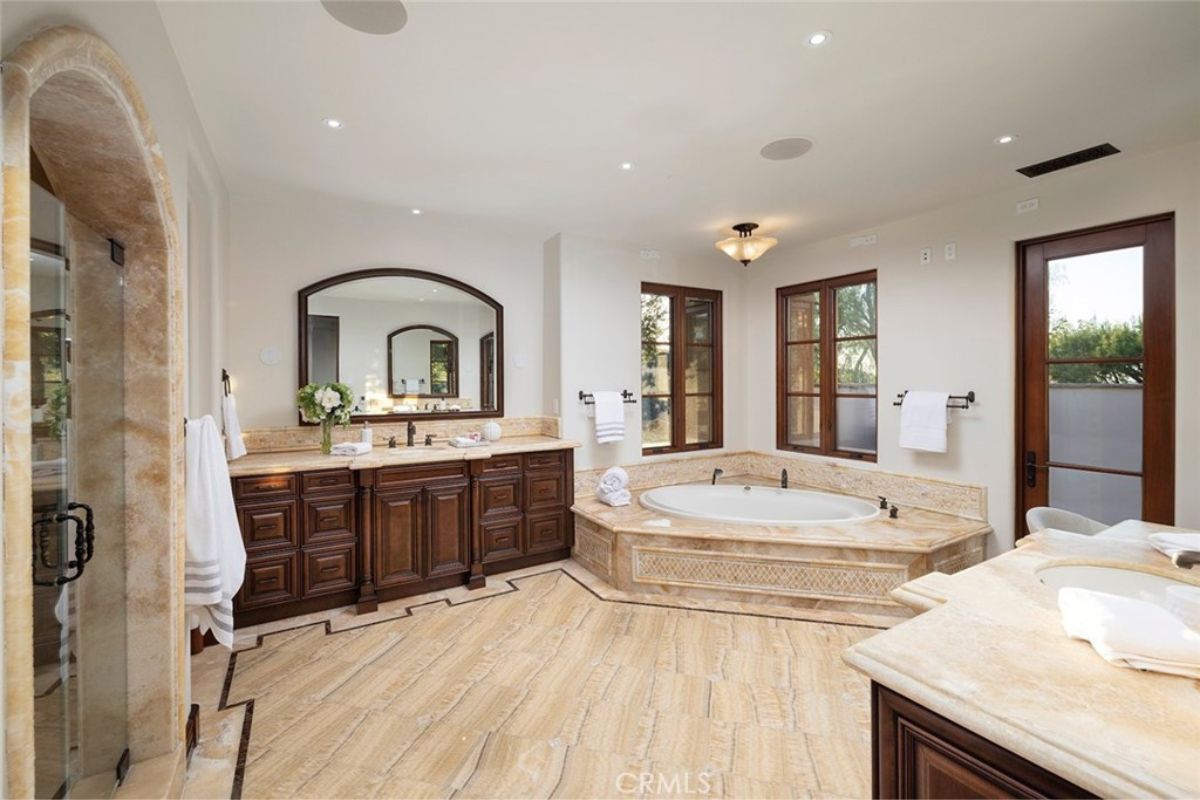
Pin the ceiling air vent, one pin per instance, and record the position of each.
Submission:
(1069, 160)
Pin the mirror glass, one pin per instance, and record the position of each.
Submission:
(404, 342)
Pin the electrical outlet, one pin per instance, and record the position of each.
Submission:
(859, 241)
(926, 256)
(650, 255)
(1025, 206)
(950, 252)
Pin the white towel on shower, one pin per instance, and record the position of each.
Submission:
(610, 417)
(923, 421)
(216, 556)
(234, 447)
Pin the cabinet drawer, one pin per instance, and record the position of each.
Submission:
(269, 580)
(546, 532)
(419, 475)
(329, 569)
(328, 519)
(544, 491)
(501, 539)
(501, 464)
(268, 526)
(253, 487)
(334, 480)
(499, 496)
(548, 460)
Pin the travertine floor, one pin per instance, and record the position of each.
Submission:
(549, 691)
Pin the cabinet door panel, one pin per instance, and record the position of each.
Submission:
(398, 536)
(329, 569)
(328, 519)
(501, 539)
(499, 496)
(269, 580)
(449, 529)
(268, 526)
(253, 487)
(545, 531)
(333, 480)
(544, 490)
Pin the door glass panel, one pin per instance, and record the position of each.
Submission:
(856, 424)
(699, 378)
(1095, 305)
(1096, 415)
(656, 422)
(699, 320)
(856, 367)
(656, 318)
(699, 418)
(804, 367)
(656, 369)
(804, 421)
(803, 317)
(1101, 496)
(856, 310)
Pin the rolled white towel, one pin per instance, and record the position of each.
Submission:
(621, 497)
(614, 480)
(1131, 633)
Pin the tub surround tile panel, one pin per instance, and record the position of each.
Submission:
(308, 437)
(1036, 692)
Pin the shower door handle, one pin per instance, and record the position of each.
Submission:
(83, 547)
(1031, 468)
(89, 528)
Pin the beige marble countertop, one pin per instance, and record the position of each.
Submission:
(990, 654)
(383, 456)
(916, 530)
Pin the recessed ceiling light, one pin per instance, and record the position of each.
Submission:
(417, 211)
(784, 149)
(627, 165)
(818, 38)
(1005, 139)
(330, 122)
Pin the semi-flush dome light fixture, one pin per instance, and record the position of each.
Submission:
(1006, 138)
(818, 38)
(335, 124)
(747, 246)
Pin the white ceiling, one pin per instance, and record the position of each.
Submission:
(522, 113)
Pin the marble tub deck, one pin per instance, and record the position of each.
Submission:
(837, 573)
(536, 686)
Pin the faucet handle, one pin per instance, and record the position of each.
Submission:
(882, 501)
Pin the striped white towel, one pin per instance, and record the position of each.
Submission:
(610, 417)
(216, 556)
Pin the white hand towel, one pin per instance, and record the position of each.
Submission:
(216, 556)
(1131, 633)
(613, 480)
(923, 421)
(412, 385)
(610, 417)
(234, 448)
(351, 449)
(620, 497)
(1171, 544)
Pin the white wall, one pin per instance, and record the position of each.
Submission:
(285, 238)
(599, 311)
(951, 325)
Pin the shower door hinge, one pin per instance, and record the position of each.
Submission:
(116, 251)
(122, 766)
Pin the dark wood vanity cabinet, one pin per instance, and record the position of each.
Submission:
(322, 539)
(920, 754)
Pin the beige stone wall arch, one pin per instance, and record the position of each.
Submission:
(69, 90)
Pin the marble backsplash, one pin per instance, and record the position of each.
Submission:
(947, 497)
(308, 437)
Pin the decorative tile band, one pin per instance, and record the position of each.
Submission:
(307, 437)
(593, 546)
(821, 579)
(957, 562)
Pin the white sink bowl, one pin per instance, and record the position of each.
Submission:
(1111, 580)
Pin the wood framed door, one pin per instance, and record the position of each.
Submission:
(1096, 372)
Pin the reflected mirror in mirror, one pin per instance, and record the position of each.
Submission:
(405, 342)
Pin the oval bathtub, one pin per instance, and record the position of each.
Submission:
(757, 505)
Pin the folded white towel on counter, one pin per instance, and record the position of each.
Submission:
(215, 554)
(923, 421)
(351, 449)
(234, 447)
(610, 417)
(613, 480)
(621, 497)
(1131, 633)
(466, 441)
(1171, 544)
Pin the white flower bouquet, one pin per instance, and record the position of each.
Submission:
(329, 404)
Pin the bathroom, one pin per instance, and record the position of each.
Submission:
(594, 400)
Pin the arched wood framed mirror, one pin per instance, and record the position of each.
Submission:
(392, 335)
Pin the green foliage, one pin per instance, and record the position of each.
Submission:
(329, 401)
(656, 318)
(1094, 339)
(57, 406)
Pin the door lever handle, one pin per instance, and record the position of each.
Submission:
(1031, 468)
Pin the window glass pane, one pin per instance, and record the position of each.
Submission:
(856, 367)
(856, 424)
(698, 420)
(656, 369)
(804, 316)
(1101, 496)
(804, 367)
(698, 314)
(656, 422)
(856, 310)
(699, 378)
(656, 318)
(1096, 304)
(1096, 415)
(804, 421)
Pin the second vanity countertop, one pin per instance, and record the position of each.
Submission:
(990, 654)
(383, 456)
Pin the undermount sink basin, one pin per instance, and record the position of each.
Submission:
(1111, 580)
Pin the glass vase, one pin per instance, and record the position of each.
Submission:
(326, 436)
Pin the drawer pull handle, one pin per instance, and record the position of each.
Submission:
(268, 581)
(267, 526)
(330, 518)
(329, 569)
(327, 481)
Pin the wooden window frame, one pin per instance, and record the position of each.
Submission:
(826, 343)
(678, 394)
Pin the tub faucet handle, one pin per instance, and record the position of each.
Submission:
(718, 472)
(882, 501)
(894, 511)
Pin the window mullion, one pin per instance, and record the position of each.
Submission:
(828, 369)
(678, 424)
